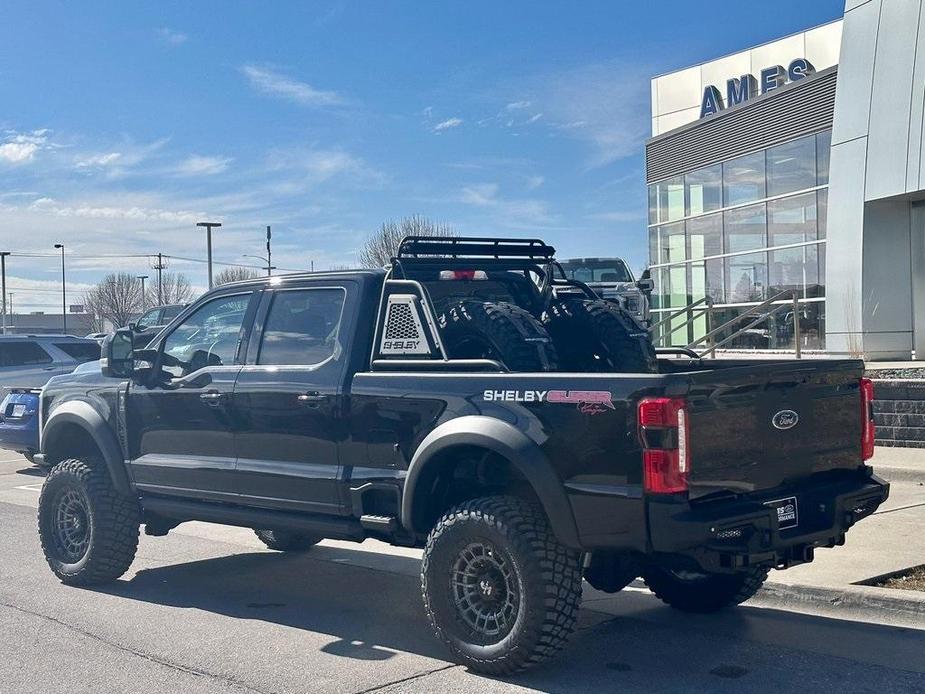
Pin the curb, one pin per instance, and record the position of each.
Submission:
(909, 603)
(900, 474)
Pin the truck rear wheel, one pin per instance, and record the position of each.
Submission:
(88, 530)
(284, 541)
(498, 587)
(691, 591)
(500, 331)
(598, 336)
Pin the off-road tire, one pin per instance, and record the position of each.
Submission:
(708, 593)
(546, 574)
(501, 331)
(598, 336)
(111, 521)
(285, 541)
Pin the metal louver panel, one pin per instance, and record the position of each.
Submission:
(797, 109)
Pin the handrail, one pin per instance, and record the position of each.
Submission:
(708, 300)
(738, 332)
(751, 311)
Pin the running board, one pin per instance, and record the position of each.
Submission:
(331, 527)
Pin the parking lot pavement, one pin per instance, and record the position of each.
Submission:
(206, 609)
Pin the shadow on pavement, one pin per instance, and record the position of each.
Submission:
(374, 614)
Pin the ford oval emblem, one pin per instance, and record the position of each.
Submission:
(785, 419)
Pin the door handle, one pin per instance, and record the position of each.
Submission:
(312, 397)
(213, 397)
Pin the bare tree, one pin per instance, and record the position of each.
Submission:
(234, 274)
(117, 299)
(382, 245)
(175, 289)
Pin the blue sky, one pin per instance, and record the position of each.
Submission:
(122, 124)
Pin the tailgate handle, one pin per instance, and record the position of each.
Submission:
(312, 397)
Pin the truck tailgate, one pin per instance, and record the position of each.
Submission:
(757, 428)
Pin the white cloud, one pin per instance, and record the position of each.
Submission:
(172, 36)
(50, 206)
(197, 165)
(605, 105)
(506, 212)
(447, 124)
(534, 182)
(517, 105)
(97, 160)
(268, 81)
(20, 148)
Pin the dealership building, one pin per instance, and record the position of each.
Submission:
(796, 167)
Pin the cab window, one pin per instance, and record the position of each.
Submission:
(23, 354)
(301, 327)
(149, 318)
(208, 337)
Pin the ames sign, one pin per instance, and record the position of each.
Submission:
(740, 89)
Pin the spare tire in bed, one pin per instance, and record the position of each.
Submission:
(501, 331)
(598, 336)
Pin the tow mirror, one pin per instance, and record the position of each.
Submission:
(118, 355)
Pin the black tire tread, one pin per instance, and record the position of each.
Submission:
(526, 527)
(583, 328)
(285, 541)
(520, 339)
(721, 590)
(116, 521)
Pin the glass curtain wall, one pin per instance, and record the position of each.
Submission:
(740, 232)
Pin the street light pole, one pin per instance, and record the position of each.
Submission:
(208, 227)
(262, 260)
(63, 290)
(269, 266)
(3, 255)
(144, 302)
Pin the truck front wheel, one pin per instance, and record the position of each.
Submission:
(88, 530)
(691, 591)
(498, 587)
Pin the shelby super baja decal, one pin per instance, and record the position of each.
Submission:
(588, 401)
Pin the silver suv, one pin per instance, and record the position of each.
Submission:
(28, 361)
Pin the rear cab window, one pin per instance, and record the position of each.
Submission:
(23, 353)
(80, 351)
(302, 326)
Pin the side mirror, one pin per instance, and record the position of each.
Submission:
(118, 354)
(646, 285)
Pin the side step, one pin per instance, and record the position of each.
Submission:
(382, 524)
(332, 527)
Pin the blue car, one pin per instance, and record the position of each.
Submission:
(19, 421)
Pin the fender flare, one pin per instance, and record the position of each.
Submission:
(510, 443)
(87, 418)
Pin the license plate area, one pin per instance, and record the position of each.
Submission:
(788, 514)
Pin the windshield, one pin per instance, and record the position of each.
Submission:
(601, 270)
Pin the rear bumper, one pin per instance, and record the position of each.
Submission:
(729, 536)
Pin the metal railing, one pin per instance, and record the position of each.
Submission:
(766, 310)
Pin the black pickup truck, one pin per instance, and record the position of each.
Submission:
(470, 401)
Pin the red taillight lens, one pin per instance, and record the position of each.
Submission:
(868, 431)
(664, 432)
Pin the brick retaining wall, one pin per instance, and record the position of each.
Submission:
(899, 413)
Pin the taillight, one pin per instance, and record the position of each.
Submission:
(868, 431)
(665, 433)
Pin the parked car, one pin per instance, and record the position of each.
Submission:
(30, 360)
(152, 321)
(96, 337)
(468, 402)
(611, 279)
(19, 427)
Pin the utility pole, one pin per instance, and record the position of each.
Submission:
(3, 255)
(63, 290)
(159, 264)
(269, 266)
(144, 303)
(208, 227)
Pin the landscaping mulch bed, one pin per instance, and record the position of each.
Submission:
(911, 579)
